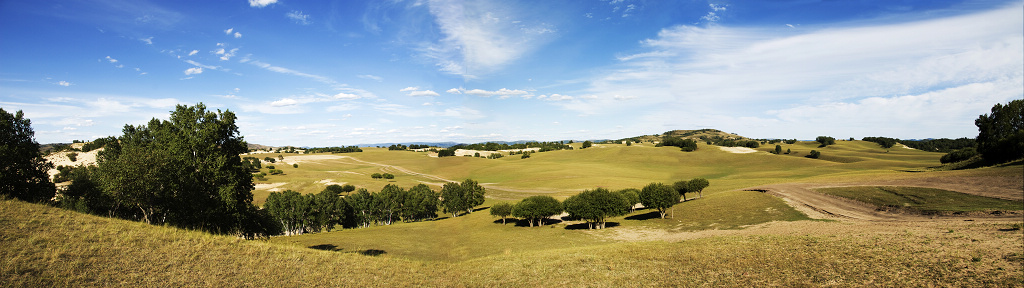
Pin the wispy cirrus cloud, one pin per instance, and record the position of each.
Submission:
(479, 39)
(298, 17)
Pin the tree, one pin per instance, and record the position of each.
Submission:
(536, 208)
(388, 176)
(698, 185)
(290, 208)
(814, 154)
(392, 198)
(632, 197)
(376, 176)
(296, 165)
(420, 204)
(474, 194)
(659, 196)
(958, 155)
(681, 187)
(23, 170)
(1001, 133)
(778, 149)
(586, 144)
(595, 206)
(362, 207)
(452, 199)
(185, 171)
(825, 141)
(502, 210)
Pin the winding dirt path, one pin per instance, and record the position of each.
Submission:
(821, 206)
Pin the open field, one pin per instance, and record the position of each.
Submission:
(760, 223)
(45, 246)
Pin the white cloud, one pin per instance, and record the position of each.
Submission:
(407, 89)
(111, 60)
(502, 93)
(193, 52)
(194, 70)
(228, 32)
(454, 91)
(283, 70)
(423, 93)
(620, 97)
(238, 35)
(226, 55)
(346, 96)
(64, 83)
(555, 97)
(194, 63)
(719, 73)
(479, 40)
(284, 102)
(148, 41)
(298, 17)
(261, 3)
(371, 77)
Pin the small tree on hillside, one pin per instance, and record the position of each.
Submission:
(698, 185)
(814, 154)
(825, 141)
(376, 176)
(681, 187)
(388, 176)
(778, 149)
(501, 210)
(632, 197)
(659, 196)
(537, 208)
(586, 144)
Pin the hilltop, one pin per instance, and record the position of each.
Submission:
(700, 135)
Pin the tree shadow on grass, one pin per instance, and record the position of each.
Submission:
(524, 223)
(373, 252)
(646, 216)
(481, 208)
(507, 221)
(326, 247)
(584, 226)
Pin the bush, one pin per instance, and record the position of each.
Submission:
(388, 176)
(73, 156)
(271, 167)
(825, 141)
(814, 154)
(295, 165)
(958, 155)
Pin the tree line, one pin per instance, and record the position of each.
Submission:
(596, 206)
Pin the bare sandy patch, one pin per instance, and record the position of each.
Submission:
(309, 158)
(329, 182)
(272, 187)
(61, 159)
(738, 150)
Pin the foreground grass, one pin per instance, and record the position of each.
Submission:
(926, 200)
(45, 246)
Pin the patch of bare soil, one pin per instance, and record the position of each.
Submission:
(272, 187)
(739, 150)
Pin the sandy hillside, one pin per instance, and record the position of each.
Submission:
(740, 150)
(61, 159)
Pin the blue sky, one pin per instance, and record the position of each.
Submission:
(331, 73)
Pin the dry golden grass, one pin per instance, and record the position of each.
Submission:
(45, 246)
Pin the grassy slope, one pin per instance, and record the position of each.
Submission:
(44, 246)
(923, 199)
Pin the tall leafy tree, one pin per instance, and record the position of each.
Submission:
(595, 206)
(1001, 133)
(185, 171)
(632, 197)
(682, 187)
(502, 210)
(22, 167)
(457, 197)
(392, 198)
(659, 196)
(420, 204)
(474, 194)
(537, 208)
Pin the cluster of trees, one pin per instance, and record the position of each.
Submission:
(695, 185)
(461, 197)
(940, 145)
(1001, 133)
(595, 206)
(183, 172)
(686, 145)
(252, 164)
(348, 149)
(545, 147)
(310, 213)
(388, 176)
(825, 141)
(393, 203)
(885, 142)
(958, 155)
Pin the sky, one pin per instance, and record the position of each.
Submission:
(335, 73)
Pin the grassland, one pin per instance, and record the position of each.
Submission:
(45, 246)
(924, 200)
(729, 237)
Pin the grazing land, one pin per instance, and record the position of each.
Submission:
(760, 223)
